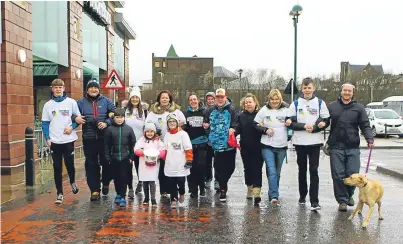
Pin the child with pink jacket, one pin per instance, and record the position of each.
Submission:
(149, 165)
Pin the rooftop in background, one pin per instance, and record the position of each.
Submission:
(221, 72)
(393, 99)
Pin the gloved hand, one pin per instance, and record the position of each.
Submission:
(188, 164)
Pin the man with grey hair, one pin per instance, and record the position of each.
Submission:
(347, 116)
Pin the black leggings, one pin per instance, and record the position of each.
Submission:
(176, 184)
(164, 187)
(196, 179)
(130, 172)
(58, 152)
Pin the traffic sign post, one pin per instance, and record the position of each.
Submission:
(114, 83)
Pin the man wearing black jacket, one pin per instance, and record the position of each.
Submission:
(198, 136)
(347, 116)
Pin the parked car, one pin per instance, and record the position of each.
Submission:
(381, 119)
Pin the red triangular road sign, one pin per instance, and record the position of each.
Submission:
(114, 82)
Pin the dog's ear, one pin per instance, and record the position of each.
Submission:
(361, 178)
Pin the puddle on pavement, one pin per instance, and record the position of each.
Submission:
(13, 186)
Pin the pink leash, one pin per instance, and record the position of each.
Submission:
(369, 160)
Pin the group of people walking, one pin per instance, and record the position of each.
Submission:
(171, 147)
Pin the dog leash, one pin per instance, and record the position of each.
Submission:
(369, 160)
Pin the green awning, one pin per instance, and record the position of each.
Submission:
(87, 71)
(45, 69)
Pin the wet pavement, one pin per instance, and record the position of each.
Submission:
(39, 220)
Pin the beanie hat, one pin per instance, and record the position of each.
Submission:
(150, 126)
(210, 94)
(135, 91)
(93, 83)
(172, 117)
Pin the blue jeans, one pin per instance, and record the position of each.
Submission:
(274, 158)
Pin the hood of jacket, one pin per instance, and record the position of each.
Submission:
(190, 109)
(226, 104)
(145, 105)
(157, 109)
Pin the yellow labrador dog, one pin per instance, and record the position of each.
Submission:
(371, 193)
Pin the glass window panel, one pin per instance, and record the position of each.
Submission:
(119, 56)
(94, 43)
(49, 31)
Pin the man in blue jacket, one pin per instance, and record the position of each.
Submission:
(95, 110)
(222, 119)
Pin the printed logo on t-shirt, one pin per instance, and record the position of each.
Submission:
(196, 121)
(160, 121)
(281, 119)
(176, 146)
(54, 113)
(268, 119)
(64, 111)
(312, 111)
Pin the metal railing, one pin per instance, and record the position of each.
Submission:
(42, 149)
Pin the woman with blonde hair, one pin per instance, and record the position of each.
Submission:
(270, 122)
(250, 147)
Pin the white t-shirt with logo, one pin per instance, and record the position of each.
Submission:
(175, 161)
(308, 112)
(275, 120)
(160, 120)
(59, 114)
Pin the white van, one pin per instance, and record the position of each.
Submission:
(378, 118)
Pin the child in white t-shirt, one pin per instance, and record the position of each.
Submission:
(178, 159)
(149, 169)
(59, 133)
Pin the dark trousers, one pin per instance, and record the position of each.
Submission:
(225, 165)
(252, 163)
(120, 175)
(343, 163)
(94, 159)
(58, 152)
(176, 184)
(209, 163)
(164, 188)
(196, 179)
(130, 175)
(313, 153)
(149, 189)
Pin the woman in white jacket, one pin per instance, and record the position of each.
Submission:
(270, 121)
(135, 116)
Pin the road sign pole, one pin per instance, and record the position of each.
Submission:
(114, 97)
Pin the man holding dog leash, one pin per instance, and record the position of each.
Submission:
(346, 116)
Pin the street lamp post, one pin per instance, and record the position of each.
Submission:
(240, 80)
(295, 13)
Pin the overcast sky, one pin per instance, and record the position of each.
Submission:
(259, 34)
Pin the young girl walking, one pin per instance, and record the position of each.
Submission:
(149, 148)
(178, 159)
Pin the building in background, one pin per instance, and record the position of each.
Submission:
(350, 71)
(182, 75)
(44, 40)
